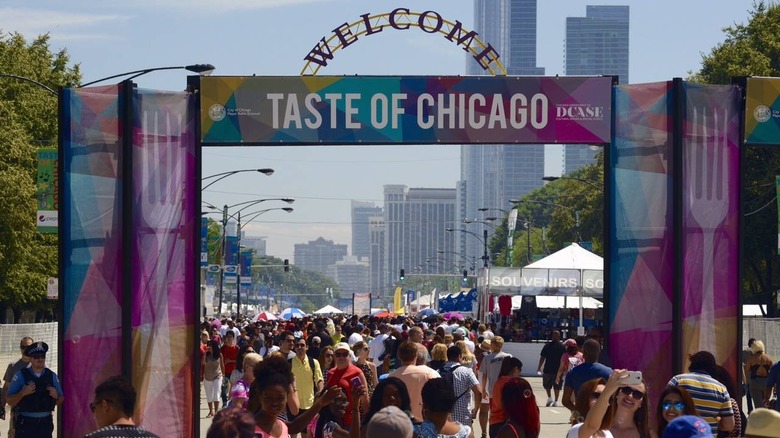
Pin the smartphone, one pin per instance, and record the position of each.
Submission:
(355, 382)
(634, 378)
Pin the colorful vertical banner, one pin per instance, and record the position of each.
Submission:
(47, 190)
(246, 268)
(204, 242)
(710, 220)
(641, 245)
(762, 111)
(165, 218)
(231, 253)
(398, 301)
(91, 248)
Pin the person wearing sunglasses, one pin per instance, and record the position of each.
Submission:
(675, 402)
(346, 376)
(34, 392)
(113, 410)
(632, 413)
(10, 372)
(628, 404)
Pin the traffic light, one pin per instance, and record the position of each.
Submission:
(465, 275)
(401, 275)
(286, 265)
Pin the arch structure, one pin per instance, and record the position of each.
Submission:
(403, 19)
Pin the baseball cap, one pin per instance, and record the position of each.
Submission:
(688, 426)
(341, 346)
(570, 343)
(763, 423)
(389, 422)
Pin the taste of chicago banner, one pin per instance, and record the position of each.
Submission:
(404, 109)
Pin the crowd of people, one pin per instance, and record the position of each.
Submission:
(359, 377)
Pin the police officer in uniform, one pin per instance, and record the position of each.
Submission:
(34, 392)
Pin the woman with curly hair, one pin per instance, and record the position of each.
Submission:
(268, 399)
(326, 361)
(521, 411)
(467, 357)
(675, 402)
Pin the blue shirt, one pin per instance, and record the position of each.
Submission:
(585, 372)
(17, 383)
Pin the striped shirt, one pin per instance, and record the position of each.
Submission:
(710, 396)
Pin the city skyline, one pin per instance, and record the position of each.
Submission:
(109, 38)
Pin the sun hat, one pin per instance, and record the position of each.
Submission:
(763, 423)
(485, 345)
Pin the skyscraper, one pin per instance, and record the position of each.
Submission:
(491, 175)
(361, 211)
(416, 222)
(596, 44)
(318, 254)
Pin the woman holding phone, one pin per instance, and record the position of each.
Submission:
(347, 376)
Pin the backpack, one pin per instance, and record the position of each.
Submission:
(448, 374)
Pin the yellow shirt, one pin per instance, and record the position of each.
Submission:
(303, 381)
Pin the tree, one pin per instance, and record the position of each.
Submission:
(29, 121)
(753, 49)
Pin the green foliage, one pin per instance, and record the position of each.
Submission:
(29, 121)
(753, 49)
(308, 287)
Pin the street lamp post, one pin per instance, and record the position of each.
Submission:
(483, 240)
(223, 175)
(225, 219)
(201, 69)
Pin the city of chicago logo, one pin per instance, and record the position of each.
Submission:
(762, 113)
(217, 112)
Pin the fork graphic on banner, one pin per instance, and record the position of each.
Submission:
(709, 204)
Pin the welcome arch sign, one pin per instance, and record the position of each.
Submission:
(130, 222)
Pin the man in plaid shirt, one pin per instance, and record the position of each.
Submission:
(463, 381)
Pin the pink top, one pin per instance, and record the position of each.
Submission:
(570, 362)
(263, 434)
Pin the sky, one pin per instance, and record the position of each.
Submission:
(272, 37)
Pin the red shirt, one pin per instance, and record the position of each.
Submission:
(229, 355)
(341, 378)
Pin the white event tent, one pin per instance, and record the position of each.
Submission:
(328, 310)
(568, 272)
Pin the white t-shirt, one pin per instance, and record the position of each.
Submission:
(575, 431)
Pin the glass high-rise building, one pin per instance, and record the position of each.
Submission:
(491, 175)
(361, 211)
(596, 44)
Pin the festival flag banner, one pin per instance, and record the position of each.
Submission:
(762, 111)
(319, 110)
(46, 191)
(204, 242)
(246, 268)
(777, 180)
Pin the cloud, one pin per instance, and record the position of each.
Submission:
(32, 22)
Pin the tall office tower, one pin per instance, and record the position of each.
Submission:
(318, 254)
(376, 257)
(416, 222)
(351, 273)
(596, 44)
(361, 211)
(491, 175)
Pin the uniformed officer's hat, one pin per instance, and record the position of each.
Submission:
(36, 348)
